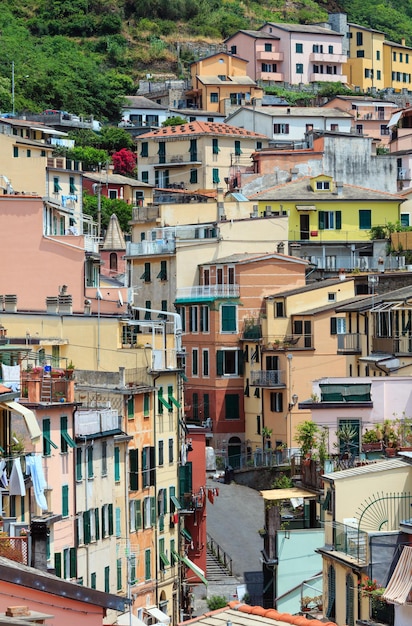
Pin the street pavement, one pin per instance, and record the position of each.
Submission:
(233, 521)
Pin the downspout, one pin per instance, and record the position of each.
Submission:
(177, 323)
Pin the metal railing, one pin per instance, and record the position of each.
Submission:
(349, 540)
(349, 342)
(208, 291)
(219, 553)
(267, 378)
(15, 549)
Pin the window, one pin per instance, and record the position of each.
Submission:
(193, 319)
(160, 452)
(195, 362)
(268, 47)
(279, 309)
(281, 129)
(384, 129)
(394, 56)
(162, 275)
(378, 74)
(359, 129)
(107, 579)
(330, 49)
(146, 276)
(48, 444)
(147, 565)
(205, 362)
(144, 150)
(206, 406)
(406, 58)
(232, 406)
(214, 97)
(365, 219)
(90, 473)
(193, 150)
(276, 402)
(193, 176)
(171, 450)
(195, 406)
(228, 318)
(233, 49)
(93, 580)
(323, 185)
(350, 600)
(65, 501)
(144, 176)
(146, 405)
(15, 151)
(334, 127)
(337, 325)
(330, 611)
(359, 38)
(378, 55)
(404, 219)
(215, 175)
(148, 305)
(79, 464)
(299, 48)
(66, 441)
(104, 457)
(229, 363)
(148, 466)
(299, 68)
(367, 73)
(360, 54)
(135, 515)
(330, 220)
(56, 186)
(133, 470)
(204, 319)
(162, 402)
(215, 146)
(119, 574)
(332, 296)
(238, 150)
(259, 145)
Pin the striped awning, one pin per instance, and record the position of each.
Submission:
(398, 590)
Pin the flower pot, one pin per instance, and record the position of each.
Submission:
(372, 447)
(390, 452)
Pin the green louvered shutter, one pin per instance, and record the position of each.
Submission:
(58, 564)
(219, 362)
(338, 216)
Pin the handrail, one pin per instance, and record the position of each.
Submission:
(218, 552)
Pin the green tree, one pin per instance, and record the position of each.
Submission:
(108, 207)
(177, 120)
(91, 158)
(114, 139)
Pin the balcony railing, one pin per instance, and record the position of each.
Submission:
(319, 78)
(288, 342)
(349, 540)
(263, 55)
(150, 247)
(94, 421)
(252, 330)
(321, 57)
(145, 213)
(267, 378)
(15, 549)
(349, 343)
(399, 344)
(206, 292)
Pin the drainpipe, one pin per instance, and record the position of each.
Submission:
(177, 323)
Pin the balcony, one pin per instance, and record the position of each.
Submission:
(147, 213)
(38, 386)
(206, 292)
(327, 78)
(174, 160)
(269, 56)
(399, 344)
(288, 342)
(349, 343)
(145, 248)
(268, 378)
(348, 539)
(278, 77)
(321, 57)
(95, 421)
(252, 330)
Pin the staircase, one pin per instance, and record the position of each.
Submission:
(215, 570)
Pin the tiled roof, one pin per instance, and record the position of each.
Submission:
(371, 468)
(283, 111)
(240, 614)
(115, 179)
(395, 44)
(140, 102)
(330, 282)
(300, 191)
(305, 28)
(200, 128)
(257, 34)
(248, 257)
(372, 30)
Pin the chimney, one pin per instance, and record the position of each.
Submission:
(65, 304)
(294, 173)
(220, 205)
(339, 188)
(403, 41)
(39, 532)
(52, 304)
(10, 303)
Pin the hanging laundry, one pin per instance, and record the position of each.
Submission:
(34, 469)
(210, 496)
(16, 482)
(216, 492)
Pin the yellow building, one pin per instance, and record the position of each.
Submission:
(220, 81)
(397, 60)
(195, 156)
(297, 345)
(329, 222)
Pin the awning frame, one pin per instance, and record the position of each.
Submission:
(28, 416)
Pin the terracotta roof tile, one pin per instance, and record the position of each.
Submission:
(200, 128)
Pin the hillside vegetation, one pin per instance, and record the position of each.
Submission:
(83, 56)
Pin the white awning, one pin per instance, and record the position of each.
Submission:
(285, 494)
(305, 207)
(125, 619)
(158, 614)
(400, 584)
(394, 119)
(29, 418)
(195, 569)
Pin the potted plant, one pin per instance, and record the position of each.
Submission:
(371, 441)
(319, 602)
(70, 369)
(307, 603)
(266, 435)
(306, 434)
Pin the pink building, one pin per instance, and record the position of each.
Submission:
(51, 596)
(291, 53)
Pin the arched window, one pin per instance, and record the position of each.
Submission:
(113, 261)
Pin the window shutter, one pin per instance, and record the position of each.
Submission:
(73, 563)
(138, 514)
(152, 466)
(117, 464)
(134, 470)
(152, 510)
(145, 472)
(65, 500)
(321, 220)
(58, 564)
(110, 508)
(118, 522)
(330, 611)
(97, 523)
(103, 524)
(240, 358)
(333, 326)
(338, 218)
(147, 565)
(219, 362)
(86, 526)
